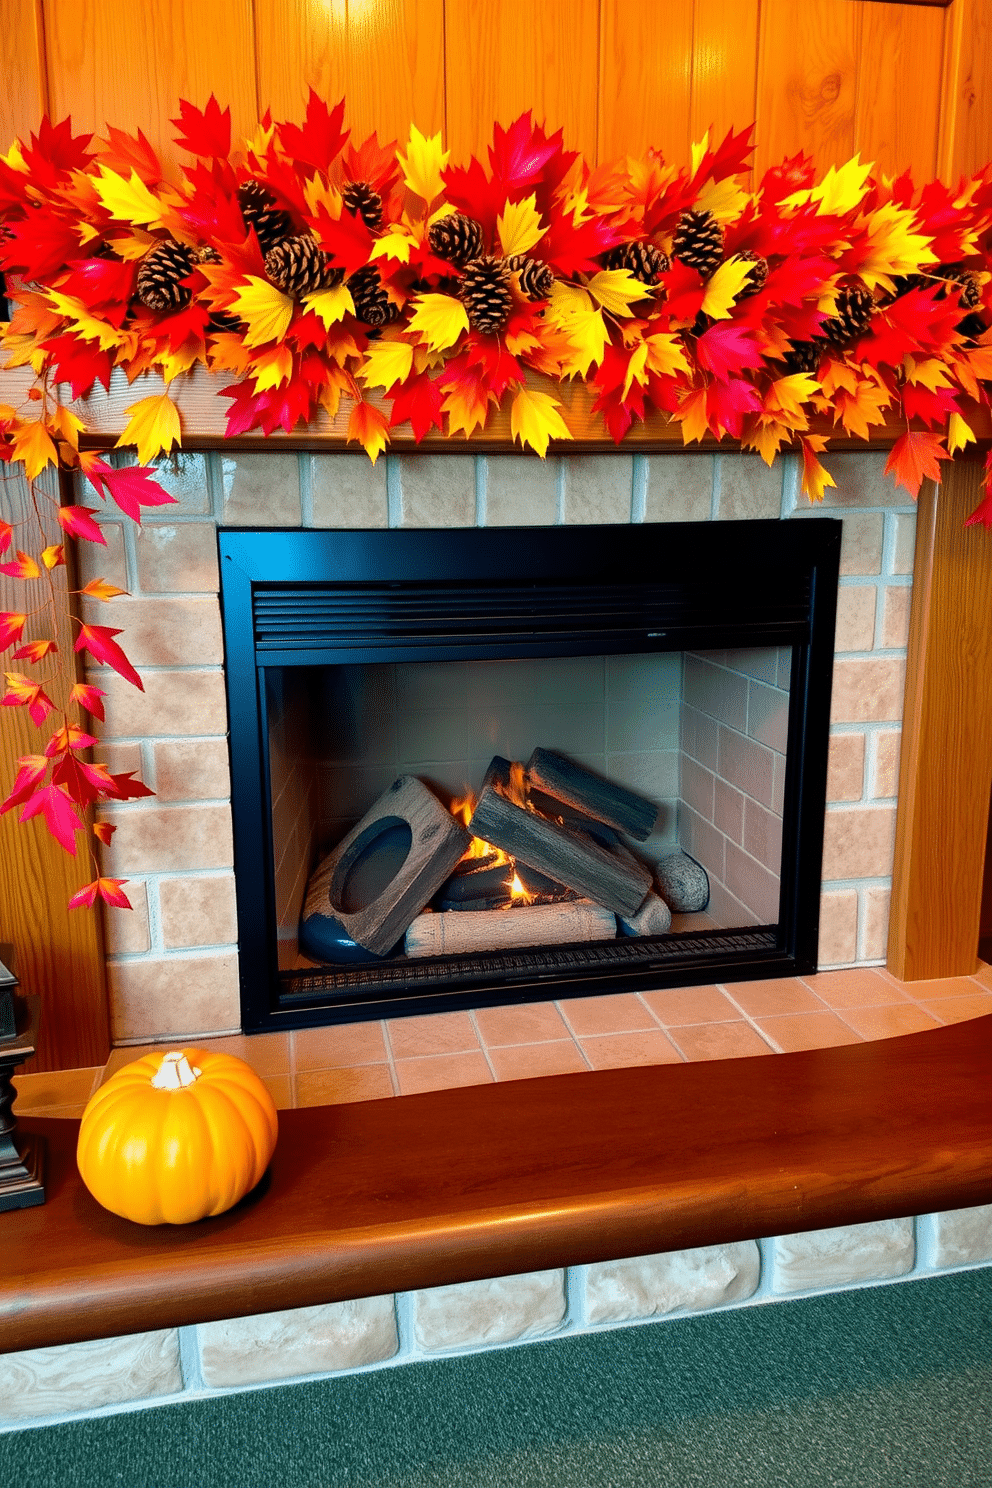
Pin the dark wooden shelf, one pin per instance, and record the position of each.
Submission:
(493, 1180)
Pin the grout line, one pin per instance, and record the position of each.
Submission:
(485, 1052)
(390, 1058)
(481, 491)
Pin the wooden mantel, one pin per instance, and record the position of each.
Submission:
(946, 769)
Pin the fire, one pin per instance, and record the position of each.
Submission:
(521, 894)
(461, 809)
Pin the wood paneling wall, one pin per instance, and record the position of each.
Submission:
(904, 84)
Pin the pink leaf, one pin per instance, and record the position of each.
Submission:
(61, 818)
(99, 641)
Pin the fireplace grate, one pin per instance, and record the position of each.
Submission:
(543, 962)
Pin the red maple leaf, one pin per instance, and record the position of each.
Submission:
(107, 889)
(39, 245)
(373, 163)
(684, 292)
(278, 408)
(101, 281)
(498, 370)
(11, 628)
(88, 697)
(473, 191)
(983, 511)
(727, 348)
(346, 239)
(83, 783)
(730, 158)
(914, 323)
(320, 140)
(211, 210)
(32, 771)
(60, 816)
(126, 788)
(132, 487)
(914, 458)
(204, 131)
(418, 400)
(78, 522)
(55, 152)
(78, 362)
(99, 641)
(728, 403)
(931, 407)
(573, 247)
(6, 536)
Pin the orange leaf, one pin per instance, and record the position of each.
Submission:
(914, 458)
(370, 428)
(23, 568)
(101, 589)
(33, 444)
(53, 556)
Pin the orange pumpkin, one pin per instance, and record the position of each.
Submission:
(174, 1138)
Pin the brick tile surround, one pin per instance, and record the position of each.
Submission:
(173, 962)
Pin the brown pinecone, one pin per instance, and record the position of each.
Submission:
(757, 275)
(969, 286)
(372, 303)
(698, 242)
(854, 311)
(259, 210)
(646, 262)
(160, 273)
(362, 200)
(456, 238)
(485, 293)
(804, 357)
(536, 279)
(298, 266)
(208, 255)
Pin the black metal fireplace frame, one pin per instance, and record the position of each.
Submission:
(304, 598)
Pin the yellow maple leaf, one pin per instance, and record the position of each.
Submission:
(787, 395)
(173, 364)
(535, 420)
(859, 410)
(725, 200)
(698, 150)
(519, 227)
(386, 364)
(63, 422)
(636, 369)
(329, 396)
(32, 444)
(958, 434)
(692, 416)
(438, 320)
(815, 475)
(85, 325)
(422, 165)
(929, 371)
(395, 244)
(153, 427)
(331, 305)
(588, 339)
(270, 369)
(723, 287)
(103, 590)
(317, 193)
(14, 159)
(135, 245)
(893, 248)
(128, 201)
(567, 299)
(616, 290)
(53, 556)
(666, 354)
(228, 353)
(767, 439)
(835, 375)
(840, 190)
(266, 310)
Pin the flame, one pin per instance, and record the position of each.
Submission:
(461, 809)
(521, 894)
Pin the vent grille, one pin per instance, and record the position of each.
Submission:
(324, 617)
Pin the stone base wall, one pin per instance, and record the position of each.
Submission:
(173, 962)
(42, 1386)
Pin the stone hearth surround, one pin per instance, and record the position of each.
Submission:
(173, 962)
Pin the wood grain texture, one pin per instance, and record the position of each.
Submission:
(23, 97)
(456, 1185)
(385, 58)
(899, 87)
(807, 80)
(946, 762)
(127, 64)
(966, 104)
(724, 67)
(59, 952)
(505, 56)
(645, 88)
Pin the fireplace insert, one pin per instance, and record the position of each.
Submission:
(685, 666)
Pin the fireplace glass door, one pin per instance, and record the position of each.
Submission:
(567, 676)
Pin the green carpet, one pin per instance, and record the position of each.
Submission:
(886, 1386)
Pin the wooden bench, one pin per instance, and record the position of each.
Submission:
(493, 1180)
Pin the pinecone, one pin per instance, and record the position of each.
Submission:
(536, 279)
(804, 357)
(757, 275)
(208, 255)
(698, 242)
(362, 200)
(456, 238)
(298, 266)
(485, 293)
(969, 286)
(259, 210)
(854, 311)
(372, 304)
(160, 274)
(646, 262)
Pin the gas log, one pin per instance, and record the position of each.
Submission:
(455, 932)
(572, 857)
(601, 799)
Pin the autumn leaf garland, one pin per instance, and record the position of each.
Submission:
(430, 294)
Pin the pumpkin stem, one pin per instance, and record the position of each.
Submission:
(175, 1073)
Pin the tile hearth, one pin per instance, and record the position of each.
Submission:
(404, 1056)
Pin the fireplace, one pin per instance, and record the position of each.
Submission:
(690, 663)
